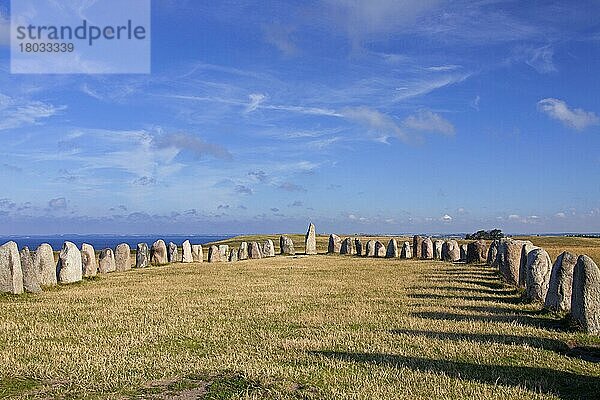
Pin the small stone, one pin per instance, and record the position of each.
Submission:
(88, 260)
(243, 251)
(561, 283)
(417, 246)
(11, 272)
(268, 249)
(310, 240)
(197, 253)
(437, 249)
(214, 254)
(233, 255)
(406, 250)
(539, 267)
(69, 267)
(585, 300)
(358, 245)
(380, 249)
(392, 250)
(31, 280)
(43, 261)
(123, 257)
(492, 254)
(142, 256)
(172, 254)
(186, 252)
(286, 246)
(477, 252)
(335, 244)
(158, 253)
(463, 252)
(427, 249)
(106, 261)
(348, 247)
(224, 249)
(254, 252)
(450, 251)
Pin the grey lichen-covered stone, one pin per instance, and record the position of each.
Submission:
(561, 283)
(370, 249)
(437, 249)
(392, 250)
(173, 253)
(11, 273)
(492, 254)
(358, 246)
(348, 247)
(197, 253)
(417, 246)
(539, 267)
(214, 254)
(585, 299)
(158, 253)
(286, 246)
(233, 255)
(123, 257)
(88, 260)
(509, 260)
(406, 250)
(243, 251)
(69, 269)
(31, 279)
(380, 249)
(450, 251)
(106, 261)
(254, 251)
(335, 244)
(268, 248)
(477, 252)
(463, 252)
(427, 249)
(43, 261)
(142, 256)
(526, 248)
(310, 240)
(186, 252)
(224, 249)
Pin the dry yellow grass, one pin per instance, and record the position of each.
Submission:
(307, 327)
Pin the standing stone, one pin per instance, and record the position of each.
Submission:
(370, 250)
(561, 283)
(392, 249)
(348, 247)
(380, 249)
(88, 260)
(268, 248)
(427, 249)
(254, 252)
(358, 245)
(509, 260)
(214, 254)
(406, 250)
(123, 257)
(197, 253)
(335, 244)
(224, 249)
(233, 255)
(172, 254)
(31, 279)
(106, 261)
(539, 267)
(526, 248)
(142, 256)
(492, 254)
(286, 246)
(11, 272)
(417, 246)
(158, 253)
(585, 300)
(69, 266)
(243, 251)
(437, 249)
(463, 252)
(477, 252)
(310, 240)
(450, 251)
(186, 252)
(44, 262)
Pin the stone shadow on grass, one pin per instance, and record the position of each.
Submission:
(565, 385)
(543, 323)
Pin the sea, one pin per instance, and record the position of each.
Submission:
(107, 241)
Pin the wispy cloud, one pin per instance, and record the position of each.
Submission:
(15, 113)
(194, 144)
(575, 118)
(428, 121)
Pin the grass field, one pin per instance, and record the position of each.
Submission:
(305, 327)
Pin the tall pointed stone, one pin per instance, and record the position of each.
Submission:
(310, 240)
(69, 267)
(406, 250)
(526, 248)
(172, 253)
(186, 252)
(437, 249)
(561, 283)
(380, 249)
(370, 249)
(142, 256)
(392, 250)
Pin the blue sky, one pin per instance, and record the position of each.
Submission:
(360, 115)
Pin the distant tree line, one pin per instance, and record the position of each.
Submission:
(486, 235)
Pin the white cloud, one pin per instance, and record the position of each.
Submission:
(378, 122)
(255, 100)
(573, 118)
(15, 113)
(541, 59)
(447, 218)
(560, 215)
(429, 121)
(514, 217)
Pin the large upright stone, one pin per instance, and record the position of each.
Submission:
(243, 251)
(233, 255)
(286, 246)
(370, 249)
(69, 266)
(417, 246)
(450, 251)
(348, 247)
(437, 249)
(335, 244)
(158, 253)
(526, 248)
(186, 252)
(224, 249)
(254, 251)
(197, 253)
(268, 249)
(310, 240)
(477, 252)
(463, 252)
(585, 300)
(358, 246)
(492, 254)
(123, 257)
(106, 261)
(561, 283)
(509, 260)
(214, 254)
(88, 260)
(427, 249)
(392, 249)
(172, 253)
(44, 262)
(142, 256)
(11, 273)
(406, 250)
(380, 249)
(31, 279)
(539, 267)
